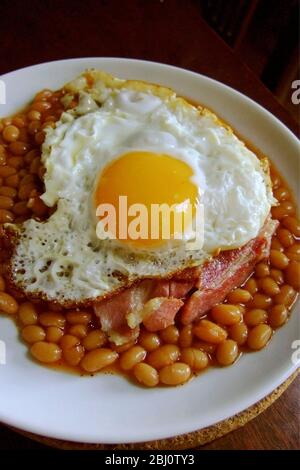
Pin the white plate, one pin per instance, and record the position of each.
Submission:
(107, 409)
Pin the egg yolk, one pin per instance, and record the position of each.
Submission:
(147, 179)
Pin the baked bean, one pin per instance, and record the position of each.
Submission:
(94, 339)
(241, 308)
(11, 133)
(195, 358)
(34, 166)
(210, 332)
(286, 295)
(6, 121)
(48, 124)
(39, 137)
(81, 317)
(163, 356)
(27, 314)
(59, 112)
(2, 283)
(54, 334)
(239, 333)
(51, 117)
(43, 95)
(72, 104)
(78, 330)
(276, 245)
(2, 154)
(19, 148)
(12, 181)
(132, 357)
(24, 136)
(73, 355)
(19, 121)
(226, 314)
(261, 301)
(227, 352)
(186, 336)
(239, 296)
(277, 275)
(259, 336)
(293, 252)
(20, 219)
(2, 159)
(54, 307)
(20, 208)
(41, 172)
(25, 190)
(146, 374)
(276, 181)
(16, 162)
(255, 317)
(175, 374)
(40, 106)
(292, 275)
(34, 127)
(8, 304)
(288, 207)
(46, 352)
(7, 171)
(55, 98)
(22, 172)
(170, 334)
(262, 270)
(149, 341)
(209, 348)
(28, 179)
(285, 208)
(278, 260)
(6, 202)
(292, 224)
(278, 315)
(285, 237)
(98, 359)
(269, 286)
(122, 347)
(251, 286)
(281, 194)
(33, 333)
(52, 319)
(37, 206)
(34, 115)
(68, 341)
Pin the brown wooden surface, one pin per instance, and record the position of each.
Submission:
(172, 32)
(276, 428)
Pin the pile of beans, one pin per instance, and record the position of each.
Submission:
(244, 321)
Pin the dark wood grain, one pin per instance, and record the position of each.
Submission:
(170, 31)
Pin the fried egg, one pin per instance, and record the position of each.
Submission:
(142, 141)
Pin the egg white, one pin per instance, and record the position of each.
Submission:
(64, 259)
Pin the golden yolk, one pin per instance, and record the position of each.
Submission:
(146, 178)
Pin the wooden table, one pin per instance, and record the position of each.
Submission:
(170, 31)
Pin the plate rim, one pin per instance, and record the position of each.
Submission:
(281, 377)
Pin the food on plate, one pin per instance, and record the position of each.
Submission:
(152, 307)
